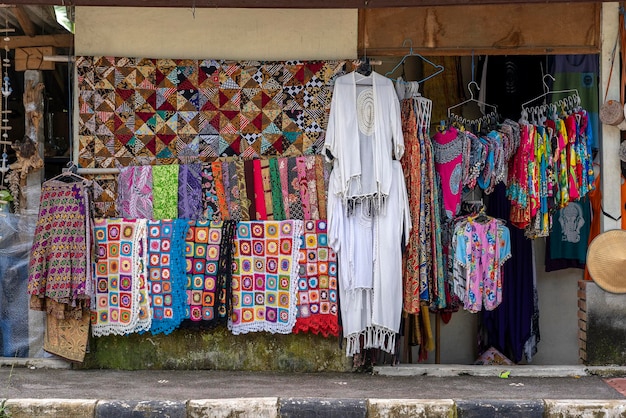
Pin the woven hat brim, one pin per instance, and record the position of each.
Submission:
(606, 260)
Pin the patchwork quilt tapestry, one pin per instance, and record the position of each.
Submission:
(265, 276)
(140, 111)
(105, 188)
(120, 302)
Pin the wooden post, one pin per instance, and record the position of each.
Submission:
(30, 163)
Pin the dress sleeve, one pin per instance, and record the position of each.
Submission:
(335, 217)
(504, 243)
(396, 126)
(460, 250)
(330, 147)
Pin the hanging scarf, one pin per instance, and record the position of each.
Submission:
(322, 186)
(284, 184)
(134, 192)
(233, 193)
(120, 306)
(277, 193)
(411, 167)
(267, 188)
(265, 276)
(211, 208)
(165, 191)
(218, 178)
(166, 273)
(259, 194)
(224, 273)
(295, 202)
(232, 209)
(317, 283)
(190, 191)
(248, 167)
(312, 186)
(60, 260)
(304, 189)
(244, 202)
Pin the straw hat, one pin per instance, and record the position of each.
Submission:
(606, 260)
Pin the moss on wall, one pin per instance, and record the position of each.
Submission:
(218, 350)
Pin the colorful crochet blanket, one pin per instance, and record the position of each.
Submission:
(140, 111)
(265, 276)
(317, 283)
(166, 273)
(202, 251)
(120, 303)
(208, 250)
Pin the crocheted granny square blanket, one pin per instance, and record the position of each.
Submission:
(317, 282)
(265, 276)
(166, 273)
(120, 304)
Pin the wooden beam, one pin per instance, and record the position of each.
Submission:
(466, 30)
(24, 20)
(64, 40)
(288, 4)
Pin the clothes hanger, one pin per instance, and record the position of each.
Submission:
(472, 100)
(363, 72)
(572, 100)
(70, 175)
(438, 67)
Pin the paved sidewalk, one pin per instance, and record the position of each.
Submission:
(112, 393)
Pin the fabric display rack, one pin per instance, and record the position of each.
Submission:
(289, 197)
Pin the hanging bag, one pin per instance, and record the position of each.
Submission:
(612, 112)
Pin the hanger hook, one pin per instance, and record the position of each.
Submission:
(546, 89)
(410, 44)
(470, 90)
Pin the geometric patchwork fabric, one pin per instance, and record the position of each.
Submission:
(139, 111)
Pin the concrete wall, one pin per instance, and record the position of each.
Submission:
(605, 339)
(235, 34)
(281, 35)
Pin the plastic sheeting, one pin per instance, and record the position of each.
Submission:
(17, 338)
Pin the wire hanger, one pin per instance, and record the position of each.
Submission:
(438, 67)
(471, 99)
(571, 101)
(69, 174)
